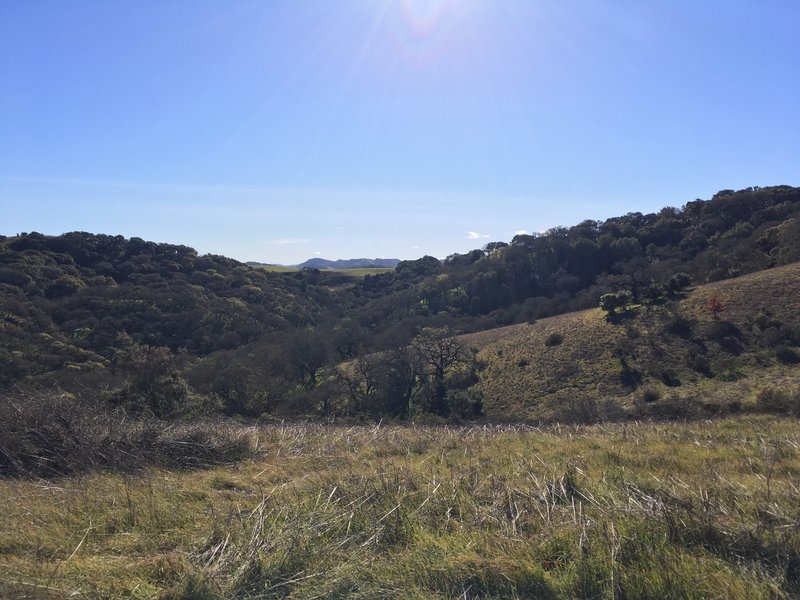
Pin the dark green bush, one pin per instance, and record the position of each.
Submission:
(554, 339)
(670, 378)
(787, 355)
(678, 324)
(699, 363)
(650, 395)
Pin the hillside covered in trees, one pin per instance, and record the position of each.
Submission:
(156, 328)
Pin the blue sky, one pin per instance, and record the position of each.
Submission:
(278, 130)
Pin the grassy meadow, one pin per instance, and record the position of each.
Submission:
(705, 509)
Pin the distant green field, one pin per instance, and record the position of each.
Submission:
(355, 273)
(277, 268)
(360, 272)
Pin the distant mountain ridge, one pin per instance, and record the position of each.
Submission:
(350, 263)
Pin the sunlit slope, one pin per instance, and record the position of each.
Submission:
(672, 359)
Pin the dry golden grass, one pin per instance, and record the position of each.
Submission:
(524, 378)
(776, 290)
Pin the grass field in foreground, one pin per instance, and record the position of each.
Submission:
(694, 510)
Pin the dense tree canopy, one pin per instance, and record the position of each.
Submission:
(76, 308)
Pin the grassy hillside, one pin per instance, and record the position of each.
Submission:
(702, 510)
(669, 359)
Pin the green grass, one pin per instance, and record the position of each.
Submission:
(277, 268)
(361, 272)
(693, 510)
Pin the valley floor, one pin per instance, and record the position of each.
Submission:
(641, 510)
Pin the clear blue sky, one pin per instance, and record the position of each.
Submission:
(278, 130)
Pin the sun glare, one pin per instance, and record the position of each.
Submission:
(424, 28)
(423, 15)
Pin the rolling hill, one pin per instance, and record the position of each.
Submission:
(670, 359)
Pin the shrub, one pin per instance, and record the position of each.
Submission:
(554, 339)
(611, 302)
(731, 344)
(700, 363)
(775, 400)
(678, 324)
(787, 355)
(579, 410)
(715, 306)
(650, 395)
(586, 410)
(670, 378)
(772, 336)
(727, 369)
(678, 283)
(791, 333)
(717, 330)
(463, 404)
(670, 408)
(629, 376)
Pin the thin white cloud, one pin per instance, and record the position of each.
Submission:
(521, 232)
(474, 235)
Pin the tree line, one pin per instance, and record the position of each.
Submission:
(158, 327)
